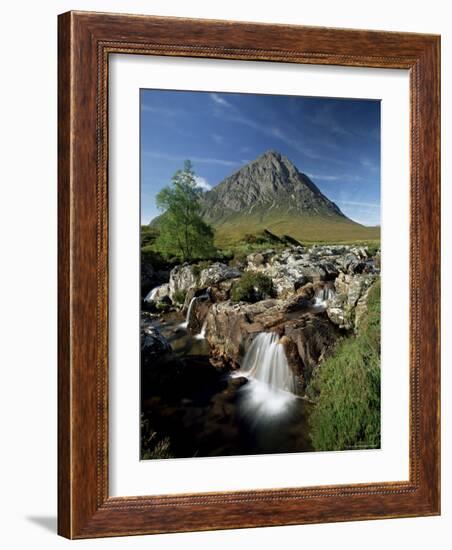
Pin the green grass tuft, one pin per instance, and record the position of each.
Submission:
(252, 287)
(179, 297)
(347, 386)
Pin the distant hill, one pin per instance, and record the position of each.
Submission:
(270, 193)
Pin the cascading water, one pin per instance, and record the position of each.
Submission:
(266, 361)
(150, 296)
(323, 295)
(186, 323)
(271, 383)
(187, 318)
(202, 334)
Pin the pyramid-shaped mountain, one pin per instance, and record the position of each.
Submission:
(270, 193)
(267, 185)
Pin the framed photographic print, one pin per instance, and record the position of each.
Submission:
(248, 275)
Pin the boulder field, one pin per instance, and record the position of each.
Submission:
(320, 293)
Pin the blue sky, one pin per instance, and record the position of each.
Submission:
(336, 142)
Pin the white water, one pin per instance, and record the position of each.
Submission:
(266, 362)
(271, 383)
(322, 295)
(187, 317)
(202, 334)
(150, 296)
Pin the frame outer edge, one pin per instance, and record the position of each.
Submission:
(432, 110)
(82, 511)
(64, 277)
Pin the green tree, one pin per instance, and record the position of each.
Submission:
(183, 232)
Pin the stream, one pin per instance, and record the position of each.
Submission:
(205, 411)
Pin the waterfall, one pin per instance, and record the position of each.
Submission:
(322, 295)
(187, 318)
(202, 334)
(270, 390)
(266, 362)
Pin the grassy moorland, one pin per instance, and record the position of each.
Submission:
(306, 229)
(233, 250)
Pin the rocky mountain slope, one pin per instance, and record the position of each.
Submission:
(268, 185)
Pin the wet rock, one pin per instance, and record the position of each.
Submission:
(330, 269)
(313, 336)
(197, 311)
(159, 294)
(147, 276)
(151, 277)
(222, 291)
(153, 343)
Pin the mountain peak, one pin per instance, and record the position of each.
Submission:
(273, 157)
(269, 184)
(270, 153)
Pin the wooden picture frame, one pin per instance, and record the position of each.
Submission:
(86, 40)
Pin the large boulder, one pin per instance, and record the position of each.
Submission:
(151, 277)
(351, 290)
(159, 294)
(217, 273)
(196, 311)
(190, 279)
(258, 259)
(182, 278)
(148, 275)
(313, 337)
(229, 325)
(163, 373)
(153, 343)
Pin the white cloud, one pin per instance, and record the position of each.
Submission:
(164, 111)
(199, 160)
(369, 164)
(276, 132)
(343, 178)
(322, 177)
(220, 100)
(365, 213)
(202, 183)
(364, 204)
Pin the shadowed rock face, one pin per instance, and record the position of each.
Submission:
(270, 183)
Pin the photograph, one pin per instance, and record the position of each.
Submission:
(260, 274)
